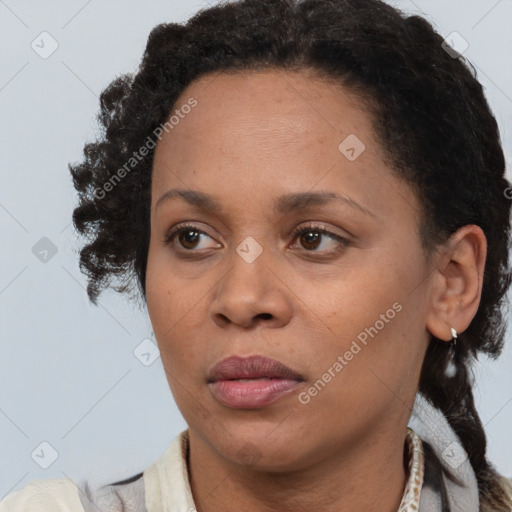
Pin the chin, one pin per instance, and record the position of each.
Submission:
(255, 447)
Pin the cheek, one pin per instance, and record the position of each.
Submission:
(166, 297)
(356, 383)
(359, 297)
(168, 314)
(176, 314)
(164, 302)
(373, 342)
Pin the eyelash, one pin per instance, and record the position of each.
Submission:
(343, 242)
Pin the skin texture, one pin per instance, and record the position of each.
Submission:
(253, 137)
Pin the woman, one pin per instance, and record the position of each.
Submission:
(311, 197)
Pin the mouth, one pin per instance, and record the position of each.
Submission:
(251, 382)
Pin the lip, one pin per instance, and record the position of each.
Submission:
(269, 380)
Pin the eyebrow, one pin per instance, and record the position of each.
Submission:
(285, 204)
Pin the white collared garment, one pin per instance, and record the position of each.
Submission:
(164, 486)
(168, 487)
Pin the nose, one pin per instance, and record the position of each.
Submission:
(250, 294)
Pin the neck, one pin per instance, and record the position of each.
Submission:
(370, 477)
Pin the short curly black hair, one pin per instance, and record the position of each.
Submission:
(429, 112)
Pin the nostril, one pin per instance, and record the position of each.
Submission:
(265, 316)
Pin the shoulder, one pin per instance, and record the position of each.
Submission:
(57, 495)
(65, 495)
(165, 477)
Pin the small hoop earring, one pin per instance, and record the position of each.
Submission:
(451, 370)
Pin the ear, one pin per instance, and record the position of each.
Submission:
(457, 282)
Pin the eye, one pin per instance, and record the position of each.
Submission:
(188, 237)
(311, 239)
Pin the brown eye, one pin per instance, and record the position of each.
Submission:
(187, 236)
(311, 238)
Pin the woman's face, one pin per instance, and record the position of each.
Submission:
(284, 156)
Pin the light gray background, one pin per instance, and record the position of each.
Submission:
(68, 373)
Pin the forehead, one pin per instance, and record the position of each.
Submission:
(302, 102)
(275, 131)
